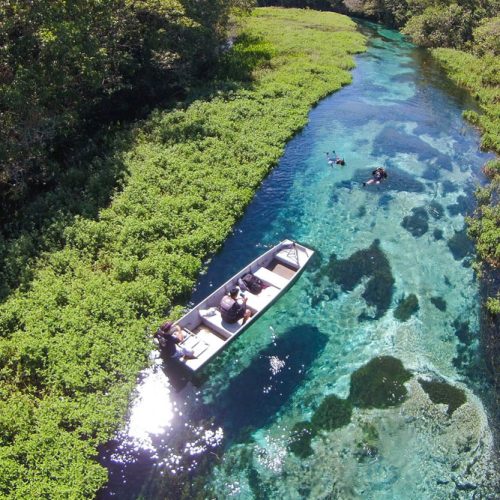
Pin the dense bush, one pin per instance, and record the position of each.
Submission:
(74, 337)
(65, 66)
(440, 26)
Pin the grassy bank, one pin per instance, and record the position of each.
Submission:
(481, 75)
(73, 338)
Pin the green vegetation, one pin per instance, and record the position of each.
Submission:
(481, 75)
(379, 383)
(407, 306)
(73, 336)
(465, 36)
(368, 446)
(67, 66)
(348, 273)
(441, 392)
(331, 414)
(300, 439)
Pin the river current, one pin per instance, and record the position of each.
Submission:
(393, 281)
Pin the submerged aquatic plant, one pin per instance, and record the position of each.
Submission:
(379, 383)
(368, 446)
(460, 245)
(300, 439)
(439, 302)
(441, 392)
(406, 307)
(417, 223)
(367, 262)
(332, 413)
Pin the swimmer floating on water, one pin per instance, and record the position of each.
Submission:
(335, 159)
(379, 174)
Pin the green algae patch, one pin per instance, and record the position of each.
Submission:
(441, 392)
(417, 222)
(332, 413)
(300, 439)
(379, 383)
(406, 308)
(439, 303)
(372, 263)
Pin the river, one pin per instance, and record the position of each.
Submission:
(393, 281)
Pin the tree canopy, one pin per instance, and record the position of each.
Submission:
(66, 66)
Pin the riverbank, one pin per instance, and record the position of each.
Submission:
(73, 338)
(480, 75)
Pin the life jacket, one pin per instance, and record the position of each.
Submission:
(231, 310)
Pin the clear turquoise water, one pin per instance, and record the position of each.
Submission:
(227, 436)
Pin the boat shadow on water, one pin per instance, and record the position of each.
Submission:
(254, 397)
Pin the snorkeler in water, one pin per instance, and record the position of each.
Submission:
(335, 159)
(379, 174)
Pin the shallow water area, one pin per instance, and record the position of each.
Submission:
(228, 435)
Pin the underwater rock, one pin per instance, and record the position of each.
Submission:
(438, 234)
(332, 413)
(436, 209)
(441, 392)
(462, 206)
(406, 308)
(462, 331)
(448, 187)
(379, 383)
(439, 302)
(370, 262)
(417, 224)
(361, 211)
(460, 245)
(368, 447)
(397, 140)
(300, 439)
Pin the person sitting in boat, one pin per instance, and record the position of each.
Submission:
(169, 337)
(233, 308)
(379, 174)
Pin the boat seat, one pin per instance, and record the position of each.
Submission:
(262, 299)
(289, 257)
(216, 322)
(271, 278)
